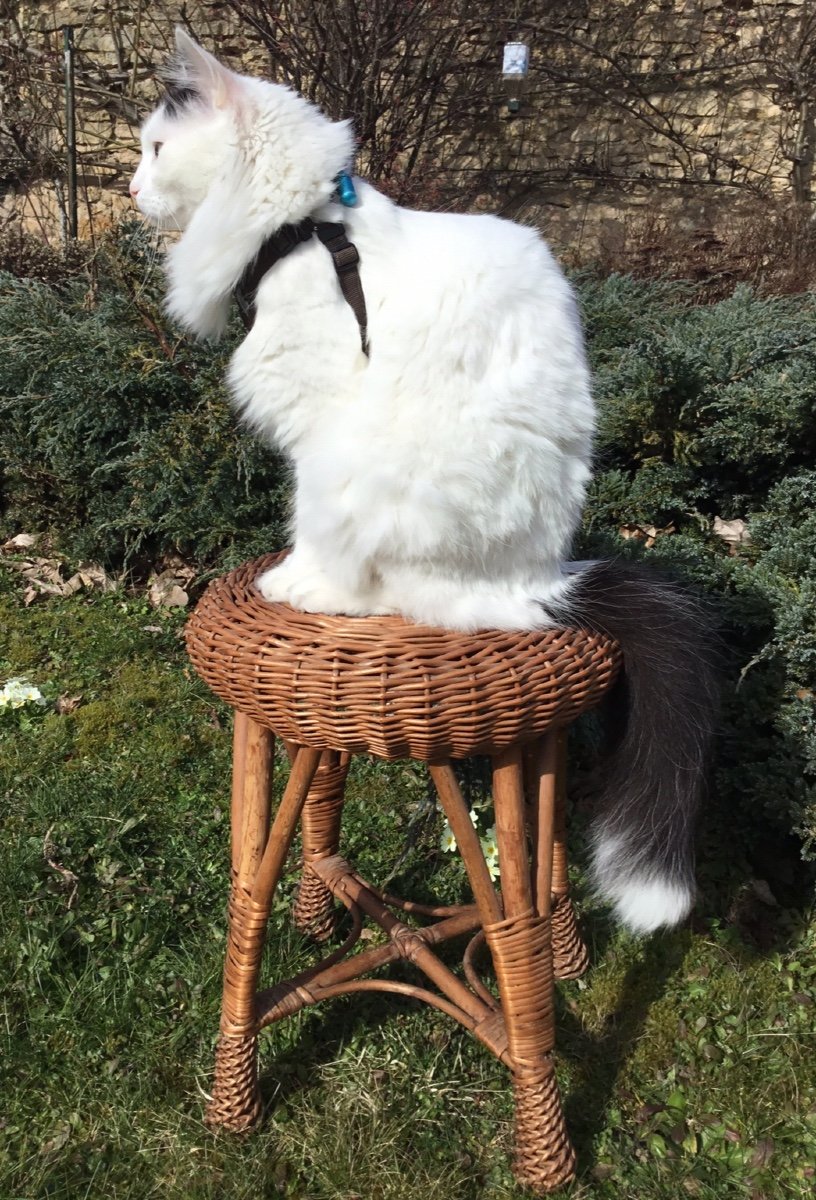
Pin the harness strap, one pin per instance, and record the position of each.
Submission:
(276, 247)
(346, 260)
(344, 257)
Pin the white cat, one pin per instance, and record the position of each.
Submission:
(441, 476)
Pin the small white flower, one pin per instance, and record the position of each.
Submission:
(17, 692)
(448, 841)
(474, 816)
(489, 843)
(490, 849)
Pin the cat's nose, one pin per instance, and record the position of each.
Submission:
(134, 191)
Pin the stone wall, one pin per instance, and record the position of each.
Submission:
(693, 109)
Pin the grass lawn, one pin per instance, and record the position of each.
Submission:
(687, 1062)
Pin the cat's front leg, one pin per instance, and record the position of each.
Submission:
(302, 581)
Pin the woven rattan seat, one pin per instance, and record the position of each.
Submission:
(330, 687)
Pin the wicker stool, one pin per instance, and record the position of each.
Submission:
(331, 687)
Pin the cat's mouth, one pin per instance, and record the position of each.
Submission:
(159, 217)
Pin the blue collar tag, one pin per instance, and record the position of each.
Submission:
(345, 190)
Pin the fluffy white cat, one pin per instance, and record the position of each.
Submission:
(443, 475)
(442, 478)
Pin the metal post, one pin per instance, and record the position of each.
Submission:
(70, 128)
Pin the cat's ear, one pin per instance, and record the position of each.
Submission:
(195, 69)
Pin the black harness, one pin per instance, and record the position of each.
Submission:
(288, 238)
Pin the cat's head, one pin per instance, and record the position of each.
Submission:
(190, 137)
(214, 126)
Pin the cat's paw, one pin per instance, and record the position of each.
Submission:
(274, 584)
(311, 591)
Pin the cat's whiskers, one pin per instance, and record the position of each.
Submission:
(166, 223)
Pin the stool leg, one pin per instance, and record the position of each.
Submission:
(521, 946)
(570, 955)
(314, 911)
(258, 860)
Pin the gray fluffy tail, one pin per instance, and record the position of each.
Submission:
(664, 711)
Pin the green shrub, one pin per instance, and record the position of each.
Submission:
(706, 412)
(703, 408)
(117, 434)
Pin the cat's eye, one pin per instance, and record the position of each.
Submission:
(156, 148)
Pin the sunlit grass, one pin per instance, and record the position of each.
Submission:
(687, 1062)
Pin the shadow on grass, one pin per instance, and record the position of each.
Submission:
(325, 1028)
(330, 1027)
(599, 1058)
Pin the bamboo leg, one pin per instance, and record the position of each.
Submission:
(540, 778)
(236, 1103)
(570, 955)
(239, 742)
(314, 911)
(467, 839)
(522, 953)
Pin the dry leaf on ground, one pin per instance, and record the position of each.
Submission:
(21, 541)
(734, 532)
(645, 533)
(91, 577)
(43, 573)
(44, 576)
(165, 591)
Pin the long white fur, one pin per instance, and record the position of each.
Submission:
(642, 900)
(442, 478)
